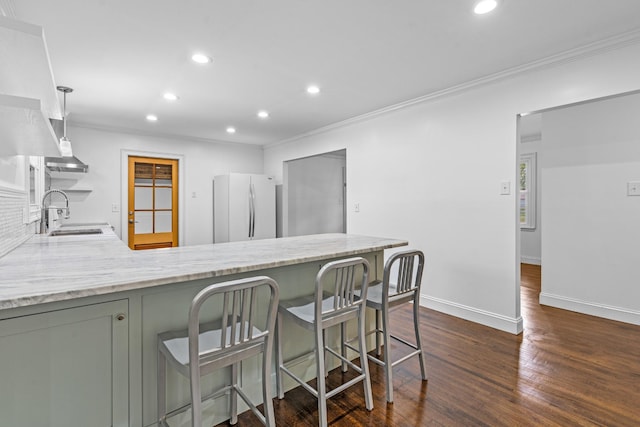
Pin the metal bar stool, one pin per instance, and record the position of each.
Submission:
(333, 303)
(237, 334)
(384, 295)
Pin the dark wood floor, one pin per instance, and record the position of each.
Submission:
(566, 369)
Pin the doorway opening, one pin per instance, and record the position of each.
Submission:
(589, 162)
(314, 194)
(529, 145)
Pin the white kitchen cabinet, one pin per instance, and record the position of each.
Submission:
(66, 367)
(28, 96)
(24, 129)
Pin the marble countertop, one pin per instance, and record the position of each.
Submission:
(47, 269)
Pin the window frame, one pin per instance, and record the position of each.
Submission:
(34, 184)
(530, 161)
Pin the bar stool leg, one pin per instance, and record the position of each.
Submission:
(364, 361)
(343, 347)
(388, 365)
(267, 400)
(279, 361)
(378, 332)
(196, 401)
(233, 397)
(324, 340)
(161, 385)
(321, 381)
(416, 326)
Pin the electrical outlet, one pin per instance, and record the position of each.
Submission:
(633, 188)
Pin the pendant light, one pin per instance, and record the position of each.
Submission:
(65, 144)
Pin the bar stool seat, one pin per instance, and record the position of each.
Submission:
(238, 333)
(374, 294)
(384, 295)
(334, 303)
(178, 348)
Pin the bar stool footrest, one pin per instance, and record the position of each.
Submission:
(183, 408)
(299, 381)
(344, 359)
(344, 386)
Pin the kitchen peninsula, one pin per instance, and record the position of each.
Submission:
(79, 316)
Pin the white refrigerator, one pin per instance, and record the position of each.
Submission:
(244, 207)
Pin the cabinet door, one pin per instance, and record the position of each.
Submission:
(66, 368)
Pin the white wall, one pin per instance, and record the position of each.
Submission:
(12, 173)
(314, 195)
(430, 173)
(101, 150)
(591, 239)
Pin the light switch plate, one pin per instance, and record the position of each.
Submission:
(115, 207)
(633, 188)
(505, 188)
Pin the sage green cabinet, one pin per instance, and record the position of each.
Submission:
(66, 368)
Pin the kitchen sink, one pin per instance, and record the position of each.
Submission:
(60, 232)
(84, 224)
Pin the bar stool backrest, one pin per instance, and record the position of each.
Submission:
(409, 276)
(335, 295)
(242, 330)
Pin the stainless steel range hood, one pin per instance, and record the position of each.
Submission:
(63, 164)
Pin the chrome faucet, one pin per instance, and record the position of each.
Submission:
(44, 213)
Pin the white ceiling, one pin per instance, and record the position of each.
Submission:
(120, 56)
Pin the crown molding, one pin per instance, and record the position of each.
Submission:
(585, 51)
(131, 131)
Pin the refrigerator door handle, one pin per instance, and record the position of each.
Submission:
(250, 212)
(253, 208)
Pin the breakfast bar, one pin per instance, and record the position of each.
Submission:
(80, 314)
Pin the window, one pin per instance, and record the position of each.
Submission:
(34, 186)
(528, 191)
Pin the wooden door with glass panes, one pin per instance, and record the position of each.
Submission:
(153, 203)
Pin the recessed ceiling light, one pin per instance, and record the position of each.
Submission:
(152, 117)
(485, 6)
(201, 58)
(231, 129)
(263, 114)
(313, 90)
(170, 96)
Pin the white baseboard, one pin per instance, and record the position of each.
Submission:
(493, 320)
(530, 260)
(592, 309)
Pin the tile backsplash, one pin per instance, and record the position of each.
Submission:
(13, 230)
